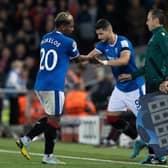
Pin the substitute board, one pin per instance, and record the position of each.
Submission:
(152, 121)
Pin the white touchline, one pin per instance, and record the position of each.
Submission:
(84, 158)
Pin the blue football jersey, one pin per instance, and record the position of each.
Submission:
(56, 51)
(113, 51)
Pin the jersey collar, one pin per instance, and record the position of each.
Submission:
(58, 32)
(116, 38)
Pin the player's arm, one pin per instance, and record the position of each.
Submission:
(121, 61)
(93, 54)
(126, 77)
(162, 40)
(89, 57)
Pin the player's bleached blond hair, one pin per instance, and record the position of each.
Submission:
(63, 18)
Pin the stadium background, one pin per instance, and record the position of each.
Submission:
(24, 22)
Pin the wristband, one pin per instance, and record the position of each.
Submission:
(105, 62)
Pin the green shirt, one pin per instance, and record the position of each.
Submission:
(157, 51)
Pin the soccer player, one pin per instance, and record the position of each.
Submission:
(155, 69)
(119, 54)
(56, 51)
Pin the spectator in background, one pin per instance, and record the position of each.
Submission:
(31, 37)
(73, 7)
(93, 10)
(74, 77)
(48, 24)
(37, 15)
(2, 85)
(9, 40)
(101, 91)
(5, 59)
(108, 11)
(62, 5)
(32, 71)
(15, 82)
(85, 29)
(78, 104)
(51, 8)
(136, 23)
(20, 52)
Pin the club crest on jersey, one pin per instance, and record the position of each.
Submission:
(106, 50)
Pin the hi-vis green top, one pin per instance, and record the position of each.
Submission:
(155, 69)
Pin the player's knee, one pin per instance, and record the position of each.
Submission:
(112, 118)
(53, 121)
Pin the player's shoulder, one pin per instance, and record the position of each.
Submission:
(69, 39)
(123, 41)
(47, 34)
(121, 38)
(162, 33)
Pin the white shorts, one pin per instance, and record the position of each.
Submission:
(52, 101)
(121, 101)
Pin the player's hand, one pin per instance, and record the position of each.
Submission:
(103, 62)
(164, 87)
(124, 77)
(93, 61)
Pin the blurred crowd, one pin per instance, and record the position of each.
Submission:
(24, 22)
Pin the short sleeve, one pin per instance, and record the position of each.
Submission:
(73, 50)
(99, 47)
(125, 45)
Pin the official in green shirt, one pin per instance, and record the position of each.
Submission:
(155, 69)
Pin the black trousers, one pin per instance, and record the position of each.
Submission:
(14, 111)
(150, 88)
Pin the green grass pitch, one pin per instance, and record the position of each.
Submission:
(73, 155)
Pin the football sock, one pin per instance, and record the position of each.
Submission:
(38, 128)
(50, 134)
(150, 150)
(114, 134)
(25, 140)
(125, 127)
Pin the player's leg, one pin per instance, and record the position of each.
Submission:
(116, 107)
(132, 101)
(50, 135)
(55, 108)
(24, 142)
